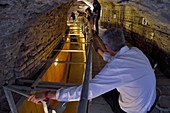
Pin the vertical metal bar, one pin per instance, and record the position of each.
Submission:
(82, 107)
(10, 100)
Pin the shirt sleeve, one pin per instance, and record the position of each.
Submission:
(103, 82)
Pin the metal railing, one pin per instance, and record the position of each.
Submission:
(82, 107)
(43, 86)
(83, 103)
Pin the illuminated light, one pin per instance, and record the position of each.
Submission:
(74, 34)
(152, 35)
(68, 39)
(55, 63)
(88, 3)
(144, 21)
(83, 40)
(114, 13)
(101, 12)
(75, 28)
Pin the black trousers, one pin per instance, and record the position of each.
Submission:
(111, 98)
(96, 23)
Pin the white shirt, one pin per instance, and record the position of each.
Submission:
(130, 72)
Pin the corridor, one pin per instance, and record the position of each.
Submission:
(43, 49)
(68, 67)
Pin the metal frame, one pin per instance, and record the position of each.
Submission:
(42, 86)
(75, 42)
(36, 85)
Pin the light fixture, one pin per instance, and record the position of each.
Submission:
(152, 35)
(55, 62)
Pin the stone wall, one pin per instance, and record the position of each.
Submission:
(152, 39)
(29, 31)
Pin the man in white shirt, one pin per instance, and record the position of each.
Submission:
(128, 74)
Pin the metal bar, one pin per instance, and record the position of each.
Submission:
(70, 50)
(40, 76)
(74, 34)
(21, 87)
(36, 89)
(44, 70)
(75, 42)
(82, 107)
(43, 86)
(16, 91)
(10, 100)
(48, 83)
(79, 30)
(52, 87)
(74, 37)
(58, 84)
(64, 62)
(74, 29)
(24, 81)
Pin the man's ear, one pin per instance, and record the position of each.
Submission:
(112, 52)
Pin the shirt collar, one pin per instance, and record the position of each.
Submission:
(122, 51)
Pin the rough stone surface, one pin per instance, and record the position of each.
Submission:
(153, 41)
(29, 31)
(156, 12)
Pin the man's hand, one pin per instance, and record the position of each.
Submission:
(38, 97)
(94, 44)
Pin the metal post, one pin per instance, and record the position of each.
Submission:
(10, 100)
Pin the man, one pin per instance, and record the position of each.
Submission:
(96, 12)
(90, 16)
(127, 80)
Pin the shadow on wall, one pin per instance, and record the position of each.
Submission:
(150, 47)
(154, 53)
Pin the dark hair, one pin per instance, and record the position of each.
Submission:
(88, 9)
(96, 1)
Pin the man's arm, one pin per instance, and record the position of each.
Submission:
(105, 55)
(100, 52)
(102, 83)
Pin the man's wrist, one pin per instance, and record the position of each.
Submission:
(46, 95)
(50, 95)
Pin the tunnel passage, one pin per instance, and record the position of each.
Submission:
(68, 66)
(30, 30)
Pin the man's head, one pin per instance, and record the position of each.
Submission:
(88, 10)
(95, 1)
(113, 39)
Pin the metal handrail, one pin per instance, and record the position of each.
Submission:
(82, 107)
